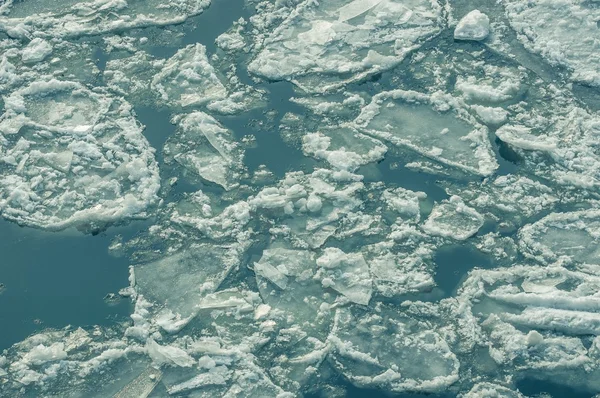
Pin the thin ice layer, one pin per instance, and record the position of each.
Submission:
(73, 157)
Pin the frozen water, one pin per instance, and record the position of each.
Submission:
(563, 32)
(473, 26)
(432, 125)
(73, 157)
(331, 39)
(72, 18)
(310, 198)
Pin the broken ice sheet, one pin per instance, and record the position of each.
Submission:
(536, 320)
(344, 40)
(246, 285)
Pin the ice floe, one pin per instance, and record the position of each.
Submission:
(432, 125)
(77, 18)
(73, 157)
(319, 44)
(473, 26)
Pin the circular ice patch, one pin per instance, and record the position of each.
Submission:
(72, 157)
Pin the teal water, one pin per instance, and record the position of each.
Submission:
(51, 280)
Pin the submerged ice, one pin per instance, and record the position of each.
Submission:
(393, 195)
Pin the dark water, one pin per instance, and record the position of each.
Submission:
(57, 279)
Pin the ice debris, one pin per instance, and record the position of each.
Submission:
(473, 26)
(73, 157)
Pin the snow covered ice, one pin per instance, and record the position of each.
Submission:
(473, 26)
(307, 198)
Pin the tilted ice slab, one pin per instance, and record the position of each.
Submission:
(205, 148)
(537, 321)
(563, 32)
(388, 350)
(453, 219)
(344, 40)
(181, 281)
(76, 18)
(73, 157)
(569, 237)
(432, 125)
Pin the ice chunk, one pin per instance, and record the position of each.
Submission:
(168, 355)
(203, 147)
(513, 197)
(319, 44)
(310, 227)
(489, 390)
(473, 26)
(453, 219)
(343, 148)
(188, 79)
(181, 280)
(569, 237)
(520, 137)
(37, 50)
(490, 116)
(388, 350)
(347, 274)
(356, 8)
(131, 76)
(398, 273)
(405, 203)
(41, 354)
(73, 157)
(432, 125)
(142, 386)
